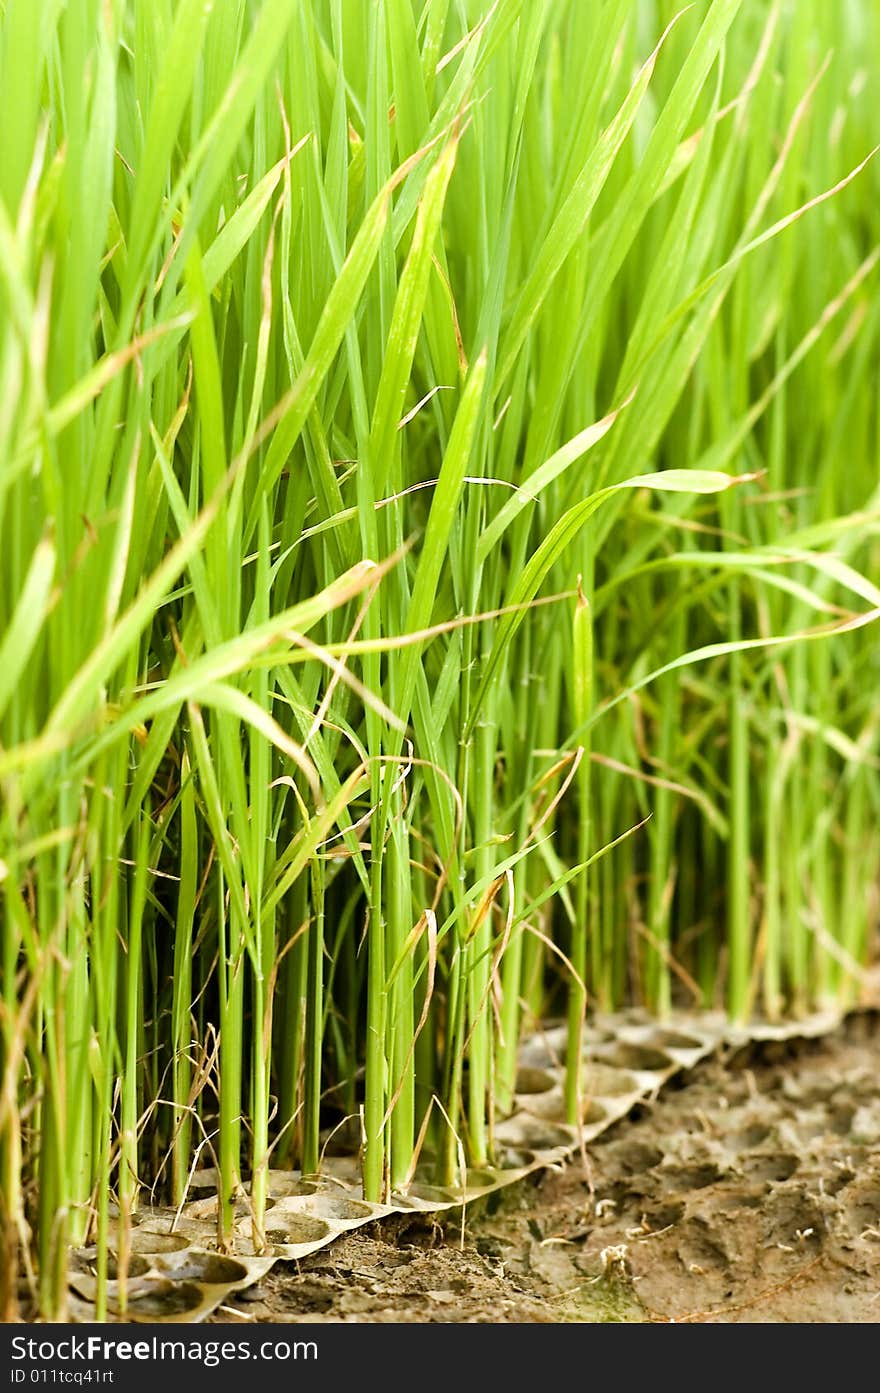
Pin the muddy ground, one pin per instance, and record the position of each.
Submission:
(749, 1191)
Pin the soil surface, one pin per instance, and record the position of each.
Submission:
(748, 1191)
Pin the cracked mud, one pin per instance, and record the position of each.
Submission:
(747, 1191)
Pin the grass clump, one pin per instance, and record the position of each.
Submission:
(438, 507)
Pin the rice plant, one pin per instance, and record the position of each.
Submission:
(438, 513)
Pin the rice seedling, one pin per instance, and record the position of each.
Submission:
(438, 514)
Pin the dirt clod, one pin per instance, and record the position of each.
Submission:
(750, 1194)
